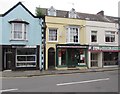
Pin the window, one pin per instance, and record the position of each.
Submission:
(93, 36)
(110, 58)
(26, 57)
(19, 31)
(52, 11)
(109, 36)
(72, 13)
(72, 35)
(52, 34)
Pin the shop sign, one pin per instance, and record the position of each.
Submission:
(101, 48)
(23, 46)
(109, 48)
(71, 46)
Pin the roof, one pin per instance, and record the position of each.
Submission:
(84, 16)
(19, 3)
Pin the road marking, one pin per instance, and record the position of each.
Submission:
(8, 90)
(61, 84)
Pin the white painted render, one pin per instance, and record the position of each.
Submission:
(101, 27)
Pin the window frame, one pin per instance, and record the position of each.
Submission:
(95, 33)
(110, 35)
(24, 31)
(49, 35)
(68, 40)
(27, 62)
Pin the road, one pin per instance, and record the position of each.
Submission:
(80, 82)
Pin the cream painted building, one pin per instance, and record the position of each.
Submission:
(65, 40)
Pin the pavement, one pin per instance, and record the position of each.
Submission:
(31, 73)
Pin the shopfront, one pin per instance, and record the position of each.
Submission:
(103, 56)
(20, 57)
(71, 56)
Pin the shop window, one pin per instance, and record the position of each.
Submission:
(110, 58)
(52, 34)
(62, 57)
(109, 36)
(93, 36)
(26, 57)
(72, 35)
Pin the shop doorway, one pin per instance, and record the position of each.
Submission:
(72, 58)
(94, 59)
(51, 58)
(8, 60)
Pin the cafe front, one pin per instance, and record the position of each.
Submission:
(71, 56)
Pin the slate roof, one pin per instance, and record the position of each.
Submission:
(84, 16)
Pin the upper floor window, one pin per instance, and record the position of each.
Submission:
(52, 34)
(109, 36)
(52, 11)
(93, 36)
(72, 34)
(19, 30)
(72, 13)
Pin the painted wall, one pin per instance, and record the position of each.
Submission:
(34, 28)
(33, 33)
(61, 24)
(0, 30)
(101, 27)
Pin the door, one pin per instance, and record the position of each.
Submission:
(72, 58)
(8, 61)
(51, 58)
(94, 59)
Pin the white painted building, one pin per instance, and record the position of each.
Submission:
(102, 38)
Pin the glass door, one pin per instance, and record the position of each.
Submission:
(94, 59)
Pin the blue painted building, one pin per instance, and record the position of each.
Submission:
(21, 39)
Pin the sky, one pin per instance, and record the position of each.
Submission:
(110, 7)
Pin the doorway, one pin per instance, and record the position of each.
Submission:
(51, 58)
(72, 58)
(94, 59)
(8, 60)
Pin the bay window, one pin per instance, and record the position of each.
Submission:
(19, 31)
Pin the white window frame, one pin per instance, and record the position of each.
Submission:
(110, 36)
(26, 62)
(24, 27)
(94, 34)
(68, 34)
(49, 34)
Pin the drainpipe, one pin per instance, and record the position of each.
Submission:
(119, 41)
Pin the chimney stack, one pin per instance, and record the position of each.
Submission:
(101, 13)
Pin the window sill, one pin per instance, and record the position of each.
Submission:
(53, 41)
(18, 40)
(72, 43)
(110, 43)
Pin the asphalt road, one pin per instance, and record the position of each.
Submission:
(80, 82)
